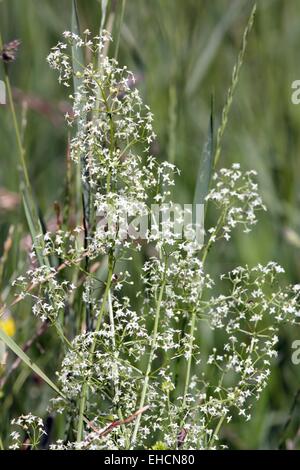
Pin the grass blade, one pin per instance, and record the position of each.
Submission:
(213, 44)
(34, 224)
(206, 163)
(172, 124)
(234, 81)
(11, 344)
(78, 63)
(118, 28)
(28, 200)
(104, 4)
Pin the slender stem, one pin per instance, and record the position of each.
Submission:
(152, 351)
(105, 297)
(81, 411)
(82, 403)
(118, 34)
(193, 320)
(113, 332)
(111, 319)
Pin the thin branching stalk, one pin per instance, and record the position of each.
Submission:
(194, 313)
(189, 363)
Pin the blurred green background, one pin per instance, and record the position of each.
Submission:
(182, 52)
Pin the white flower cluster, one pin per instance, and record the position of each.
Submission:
(113, 126)
(32, 431)
(50, 298)
(60, 60)
(131, 375)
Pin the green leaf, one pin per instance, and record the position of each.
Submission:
(118, 28)
(213, 43)
(78, 64)
(33, 221)
(206, 163)
(234, 82)
(104, 4)
(11, 344)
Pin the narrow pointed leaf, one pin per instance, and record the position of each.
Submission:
(33, 221)
(77, 54)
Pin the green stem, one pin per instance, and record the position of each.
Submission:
(152, 352)
(15, 122)
(118, 33)
(189, 364)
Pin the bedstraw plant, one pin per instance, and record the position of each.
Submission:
(122, 343)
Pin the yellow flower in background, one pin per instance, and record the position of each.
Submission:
(7, 324)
